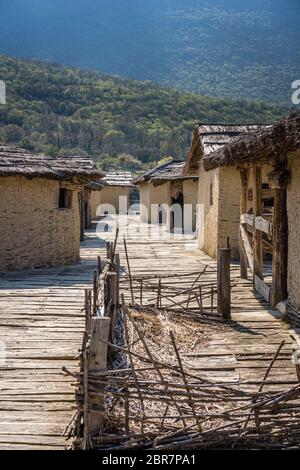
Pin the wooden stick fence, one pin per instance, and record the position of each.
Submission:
(162, 405)
(156, 404)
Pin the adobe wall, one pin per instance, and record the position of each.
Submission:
(229, 209)
(190, 195)
(293, 209)
(110, 195)
(159, 195)
(95, 203)
(34, 232)
(208, 211)
(145, 203)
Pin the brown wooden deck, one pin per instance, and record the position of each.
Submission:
(41, 323)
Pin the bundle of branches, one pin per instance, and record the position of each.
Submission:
(159, 403)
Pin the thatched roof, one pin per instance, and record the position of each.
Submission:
(118, 178)
(209, 138)
(169, 171)
(15, 161)
(94, 185)
(266, 145)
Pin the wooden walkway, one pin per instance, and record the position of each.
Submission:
(41, 324)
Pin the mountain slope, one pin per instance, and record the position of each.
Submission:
(245, 49)
(57, 109)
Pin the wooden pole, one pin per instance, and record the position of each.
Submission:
(129, 272)
(99, 265)
(257, 212)
(112, 289)
(98, 360)
(280, 247)
(95, 293)
(87, 310)
(243, 209)
(107, 250)
(224, 290)
(82, 215)
(117, 268)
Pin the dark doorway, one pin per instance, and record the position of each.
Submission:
(176, 221)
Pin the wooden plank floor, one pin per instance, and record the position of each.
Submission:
(41, 324)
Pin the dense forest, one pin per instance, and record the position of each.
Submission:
(243, 49)
(121, 122)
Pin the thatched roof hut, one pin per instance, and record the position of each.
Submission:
(41, 207)
(265, 145)
(165, 186)
(115, 196)
(119, 178)
(15, 161)
(210, 138)
(170, 171)
(273, 150)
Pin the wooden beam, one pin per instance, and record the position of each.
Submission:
(280, 247)
(98, 360)
(262, 288)
(224, 289)
(260, 223)
(247, 247)
(257, 211)
(243, 209)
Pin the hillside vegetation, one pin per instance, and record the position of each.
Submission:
(242, 49)
(54, 109)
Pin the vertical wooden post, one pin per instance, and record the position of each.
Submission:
(99, 265)
(224, 289)
(87, 309)
(257, 212)
(243, 209)
(107, 249)
(98, 360)
(82, 215)
(111, 280)
(95, 292)
(280, 247)
(117, 268)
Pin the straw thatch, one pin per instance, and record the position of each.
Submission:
(169, 171)
(268, 144)
(15, 161)
(210, 138)
(120, 178)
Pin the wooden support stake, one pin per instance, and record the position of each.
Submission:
(200, 300)
(117, 268)
(99, 266)
(87, 310)
(158, 303)
(141, 293)
(243, 209)
(95, 293)
(112, 283)
(107, 250)
(224, 291)
(129, 272)
(280, 247)
(257, 212)
(98, 360)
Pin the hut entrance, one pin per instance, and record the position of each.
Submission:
(176, 213)
(263, 233)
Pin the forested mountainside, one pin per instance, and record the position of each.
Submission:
(121, 122)
(239, 48)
